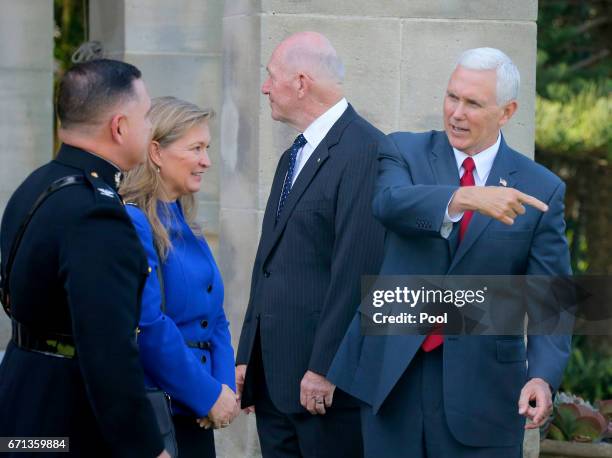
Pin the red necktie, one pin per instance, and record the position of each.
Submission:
(466, 180)
(433, 341)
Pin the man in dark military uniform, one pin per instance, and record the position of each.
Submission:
(71, 367)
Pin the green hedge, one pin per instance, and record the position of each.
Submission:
(576, 124)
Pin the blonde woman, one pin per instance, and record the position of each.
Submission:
(186, 347)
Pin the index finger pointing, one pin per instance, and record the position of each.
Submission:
(536, 203)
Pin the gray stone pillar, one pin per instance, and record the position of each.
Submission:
(398, 56)
(26, 95)
(177, 46)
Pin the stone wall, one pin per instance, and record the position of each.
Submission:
(177, 46)
(26, 94)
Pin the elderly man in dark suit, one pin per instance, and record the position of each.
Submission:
(318, 238)
(461, 202)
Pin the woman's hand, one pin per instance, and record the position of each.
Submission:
(224, 410)
(204, 422)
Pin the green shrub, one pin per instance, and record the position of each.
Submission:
(579, 125)
(588, 373)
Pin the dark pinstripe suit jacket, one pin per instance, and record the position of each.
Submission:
(305, 285)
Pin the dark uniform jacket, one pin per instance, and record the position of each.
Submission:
(306, 279)
(79, 270)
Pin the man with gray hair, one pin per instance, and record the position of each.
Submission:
(318, 238)
(460, 202)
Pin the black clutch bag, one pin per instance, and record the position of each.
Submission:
(161, 406)
(159, 399)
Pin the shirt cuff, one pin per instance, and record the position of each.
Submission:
(448, 221)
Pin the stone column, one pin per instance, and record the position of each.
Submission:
(26, 95)
(398, 56)
(177, 46)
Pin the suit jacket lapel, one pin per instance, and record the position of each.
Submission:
(443, 161)
(444, 167)
(316, 160)
(275, 191)
(503, 169)
(312, 166)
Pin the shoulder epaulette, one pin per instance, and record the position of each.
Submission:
(102, 191)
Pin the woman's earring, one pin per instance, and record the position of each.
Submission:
(158, 169)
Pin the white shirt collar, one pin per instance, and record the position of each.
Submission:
(483, 160)
(319, 128)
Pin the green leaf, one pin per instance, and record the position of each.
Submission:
(556, 434)
(587, 429)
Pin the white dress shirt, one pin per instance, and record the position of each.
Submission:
(483, 162)
(316, 132)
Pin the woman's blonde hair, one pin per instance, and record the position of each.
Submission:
(171, 118)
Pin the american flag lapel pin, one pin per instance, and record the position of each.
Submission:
(503, 182)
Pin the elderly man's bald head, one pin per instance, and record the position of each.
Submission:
(311, 53)
(304, 79)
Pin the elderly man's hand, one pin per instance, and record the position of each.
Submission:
(316, 393)
(498, 202)
(536, 390)
(240, 376)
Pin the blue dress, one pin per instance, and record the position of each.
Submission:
(194, 313)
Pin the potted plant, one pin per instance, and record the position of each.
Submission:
(578, 429)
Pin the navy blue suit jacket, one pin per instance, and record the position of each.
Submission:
(483, 375)
(305, 285)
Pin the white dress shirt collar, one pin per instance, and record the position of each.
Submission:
(316, 132)
(483, 161)
(319, 128)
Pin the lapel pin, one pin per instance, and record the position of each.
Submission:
(318, 160)
(503, 182)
